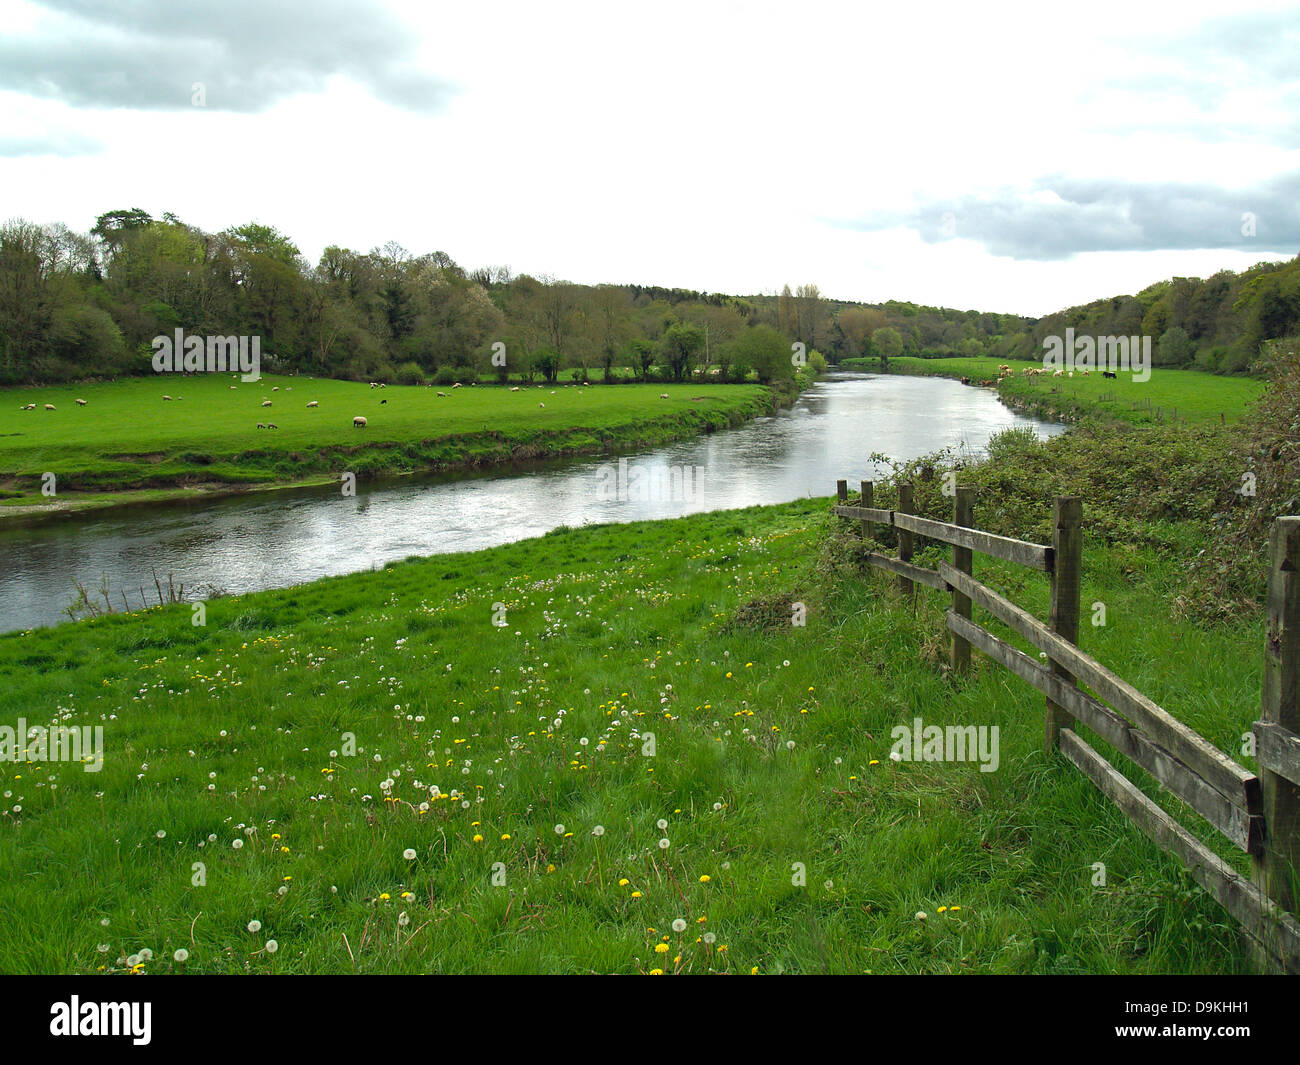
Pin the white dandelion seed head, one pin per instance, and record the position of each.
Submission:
(182, 955)
(255, 926)
(272, 946)
(679, 925)
(409, 854)
(664, 844)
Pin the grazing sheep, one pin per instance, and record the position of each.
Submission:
(314, 403)
(260, 425)
(586, 384)
(81, 403)
(382, 402)
(443, 394)
(1059, 373)
(456, 385)
(515, 389)
(49, 406)
(540, 405)
(374, 384)
(167, 398)
(382, 385)
(272, 425)
(30, 406)
(232, 388)
(275, 388)
(663, 395)
(1110, 373)
(358, 422)
(553, 390)
(266, 403)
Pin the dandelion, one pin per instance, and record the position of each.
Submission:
(636, 894)
(623, 882)
(710, 938)
(921, 915)
(679, 925)
(599, 830)
(181, 956)
(559, 830)
(160, 833)
(478, 838)
(661, 824)
(254, 926)
(104, 921)
(134, 960)
(661, 948)
(403, 920)
(102, 948)
(272, 946)
(705, 878)
(664, 844)
(236, 844)
(656, 972)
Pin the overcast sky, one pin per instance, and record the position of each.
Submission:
(1003, 157)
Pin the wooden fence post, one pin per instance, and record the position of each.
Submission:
(963, 514)
(905, 504)
(868, 492)
(1275, 870)
(1067, 567)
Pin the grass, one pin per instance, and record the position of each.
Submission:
(127, 439)
(792, 838)
(1187, 395)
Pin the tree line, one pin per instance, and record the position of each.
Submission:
(88, 305)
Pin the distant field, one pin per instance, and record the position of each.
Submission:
(128, 437)
(1188, 394)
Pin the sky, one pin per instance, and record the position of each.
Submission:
(1016, 157)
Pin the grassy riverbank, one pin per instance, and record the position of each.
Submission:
(769, 818)
(1185, 395)
(127, 440)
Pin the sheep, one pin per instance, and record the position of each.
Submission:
(1059, 373)
(276, 388)
(456, 385)
(49, 406)
(663, 395)
(314, 403)
(81, 403)
(1111, 374)
(232, 388)
(443, 394)
(515, 389)
(260, 425)
(167, 399)
(30, 406)
(382, 402)
(382, 385)
(272, 425)
(358, 422)
(266, 403)
(540, 405)
(374, 384)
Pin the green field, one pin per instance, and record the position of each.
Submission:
(1187, 395)
(128, 438)
(546, 836)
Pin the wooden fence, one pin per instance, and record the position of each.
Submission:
(1258, 814)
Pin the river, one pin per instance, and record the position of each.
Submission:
(276, 539)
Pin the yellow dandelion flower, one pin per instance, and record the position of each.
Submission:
(661, 948)
(624, 882)
(705, 878)
(636, 894)
(656, 972)
(478, 838)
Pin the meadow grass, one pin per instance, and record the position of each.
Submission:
(790, 840)
(1189, 395)
(128, 438)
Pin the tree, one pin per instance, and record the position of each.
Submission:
(680, 344)
(765, 351)
(887, 344)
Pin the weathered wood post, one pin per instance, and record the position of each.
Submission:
(1067, 568)
(905, 504)
(842, 497)
(1275, 870)
(868, 492)
(964, 515)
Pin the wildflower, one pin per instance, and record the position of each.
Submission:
(705, 878)
(664, 844)
(505, 836)
(409, 854)
(636, 894)
(160, 833)
(181, 956)
(272, 946)
(661, 948)
(599, 830)
(236, 844)
(559, 830)
(679, 925)
(661, 824)
(623, 882)
(478, 838)
(254, 926)
(710, 938)
(403, 920)
(656, 972)
(921, 915)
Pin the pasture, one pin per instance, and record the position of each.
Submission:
(128, 437)
(447, 766)
(1189, 394)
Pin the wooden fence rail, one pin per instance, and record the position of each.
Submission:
(1260, 815)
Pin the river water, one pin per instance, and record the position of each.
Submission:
(276, 539)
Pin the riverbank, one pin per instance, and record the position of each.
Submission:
(1169, 395)
(539, 757)
(205, 441)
